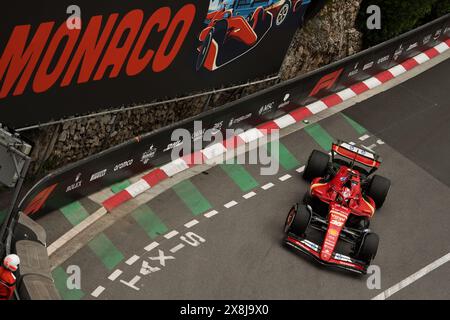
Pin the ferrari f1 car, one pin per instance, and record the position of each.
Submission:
(332, 222)
(234, 27)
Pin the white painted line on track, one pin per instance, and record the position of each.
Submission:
(211, 214)
(267, 186)
(191, 224)
(177, 248)
(285, 177)
(76, 230)
(249, 195)
(97, 292)
(412, 278)
(132, 260)
(151, 246)
(301, 169)
(364, 137)
(380, 142)
(115, 275)
(171, 234)
(230, 204)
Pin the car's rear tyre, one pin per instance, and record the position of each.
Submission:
(368, 247)
(297, 221)
(378, 189)
(317, 165)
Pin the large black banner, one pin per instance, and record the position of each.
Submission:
(65, 58)
(143, 153)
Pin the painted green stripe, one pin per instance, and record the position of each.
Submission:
(358, 128)
(149, 221)
(240, 176)
(285, 157)
(320, 135)
(116, 188)
(60, 277)
(74, 213)
(192, 197)
(106, 251)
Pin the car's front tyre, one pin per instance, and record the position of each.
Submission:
(297, 221)
(368, 247)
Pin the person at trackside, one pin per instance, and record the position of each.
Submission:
(7, 278)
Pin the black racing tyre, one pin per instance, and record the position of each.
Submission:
(378, 189)
(368, 247)
(297, 221)
(317, 165)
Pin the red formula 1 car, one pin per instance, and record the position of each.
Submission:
(332, 222)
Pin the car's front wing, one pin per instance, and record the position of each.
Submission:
(337, 260)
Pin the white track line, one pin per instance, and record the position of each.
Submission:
(115, 275)
(132, 260)
(249, 195)
(364, 137)
(301, 169)
(72, 233)
(151, 246)
(191, 224)
(416, 276)
(211, 214)
(285, 177)
(171, 234)
(97, 292)
(230, 204)
(267, 186)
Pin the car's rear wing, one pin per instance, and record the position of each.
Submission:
(356, 154)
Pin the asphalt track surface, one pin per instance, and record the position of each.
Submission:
(237, 253)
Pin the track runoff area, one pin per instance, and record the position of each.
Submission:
(215, 232)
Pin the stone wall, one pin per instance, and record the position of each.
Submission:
(328, 37)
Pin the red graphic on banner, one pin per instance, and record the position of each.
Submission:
(38, 202)
(327, 82)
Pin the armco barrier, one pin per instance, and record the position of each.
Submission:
(151, 150)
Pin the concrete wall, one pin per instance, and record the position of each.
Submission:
(328, 37)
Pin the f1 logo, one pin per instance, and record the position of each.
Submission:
(327, 82)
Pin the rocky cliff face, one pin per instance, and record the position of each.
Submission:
(328, 37)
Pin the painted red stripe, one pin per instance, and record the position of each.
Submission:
(300, 114)
(268, 127)
(359, 87)
(233, 142)
(194, 159)
(332, 100)
(431, 53)
(155, 177)
(117, 200)
(448, 42)
(384, 76)
(409, 64)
